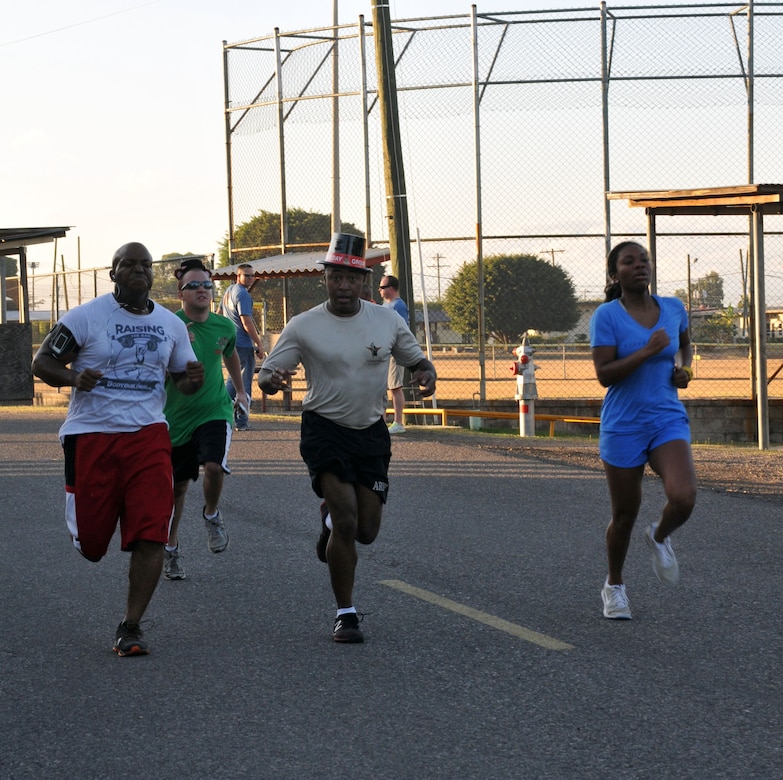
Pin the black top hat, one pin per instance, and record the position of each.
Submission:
(346, 250)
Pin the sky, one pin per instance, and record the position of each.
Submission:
(113, 114)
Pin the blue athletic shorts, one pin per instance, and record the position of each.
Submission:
(629, 449)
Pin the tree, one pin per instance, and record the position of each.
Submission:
(164, 283)
(718, 328)
(707, 291)
(11, 266)
(304, 228)
(461, 300)
(521, 293)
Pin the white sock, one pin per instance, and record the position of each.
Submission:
(211, 517)
(328, 521)
(171, 549)
(346, 611)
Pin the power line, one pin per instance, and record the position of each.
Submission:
(77, 24)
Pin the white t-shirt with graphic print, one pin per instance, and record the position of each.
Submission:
(134, 352)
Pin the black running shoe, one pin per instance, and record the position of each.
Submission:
(346, 628)
(128, 640)
(323, 539)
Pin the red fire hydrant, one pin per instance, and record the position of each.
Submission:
(525, 371)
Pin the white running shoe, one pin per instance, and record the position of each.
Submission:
(616, 606)
(663, 561)
(396, 428)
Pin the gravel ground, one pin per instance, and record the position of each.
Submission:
(726, 469)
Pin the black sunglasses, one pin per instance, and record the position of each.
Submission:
(195, 285)
(383, 286)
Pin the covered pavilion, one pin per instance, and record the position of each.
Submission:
(751, 200)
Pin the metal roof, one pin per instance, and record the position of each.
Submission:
(294, 264)
(11, 239)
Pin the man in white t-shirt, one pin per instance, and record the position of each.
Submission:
(115, 352)
(344, 346)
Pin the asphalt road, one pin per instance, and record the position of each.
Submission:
(486, 654)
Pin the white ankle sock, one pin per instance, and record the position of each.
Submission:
(346, 611)
(328, 521)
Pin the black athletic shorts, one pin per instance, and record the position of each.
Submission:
(356, 456)
(209, 443)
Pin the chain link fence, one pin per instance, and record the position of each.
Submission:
(570, 104)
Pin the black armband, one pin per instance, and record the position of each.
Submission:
(62, 341)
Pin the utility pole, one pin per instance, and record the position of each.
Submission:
(394, 173)
(336, 219)
(437, 258)
(552, 252)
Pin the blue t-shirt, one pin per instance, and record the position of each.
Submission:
(236, 302)
(399, 305)
(648, 395)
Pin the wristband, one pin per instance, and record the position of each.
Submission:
(688, 370)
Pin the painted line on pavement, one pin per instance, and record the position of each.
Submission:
(482, 617)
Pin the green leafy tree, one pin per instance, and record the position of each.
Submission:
(305, 228)
(707, 291)
(718, 328)
(461, 299)
(11, 266)
(164, 283)
(521, 293)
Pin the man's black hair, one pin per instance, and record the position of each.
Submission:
(191, 264)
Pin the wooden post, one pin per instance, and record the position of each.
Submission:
(394, 173)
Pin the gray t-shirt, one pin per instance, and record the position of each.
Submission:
(345, 360)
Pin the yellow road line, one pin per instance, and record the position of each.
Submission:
(482, 617)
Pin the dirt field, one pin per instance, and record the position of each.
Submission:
(574, 377)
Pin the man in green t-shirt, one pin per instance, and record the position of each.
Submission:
(200, 424)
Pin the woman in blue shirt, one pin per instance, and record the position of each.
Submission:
(642, 353)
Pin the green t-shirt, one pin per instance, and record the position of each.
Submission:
(211, 340)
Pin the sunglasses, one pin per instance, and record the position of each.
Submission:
(195, 285)
(383, 286)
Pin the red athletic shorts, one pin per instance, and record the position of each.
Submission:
(111, 477)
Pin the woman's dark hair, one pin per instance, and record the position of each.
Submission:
(612, 289)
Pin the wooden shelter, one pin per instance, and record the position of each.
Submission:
(751, 200)
(16, 338)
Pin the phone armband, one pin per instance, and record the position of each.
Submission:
(62, 341)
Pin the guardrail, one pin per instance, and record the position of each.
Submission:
(444, 414)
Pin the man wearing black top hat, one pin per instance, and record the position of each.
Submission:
(344, 346)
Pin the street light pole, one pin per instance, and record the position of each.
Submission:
(33, 266)
(690, 292)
